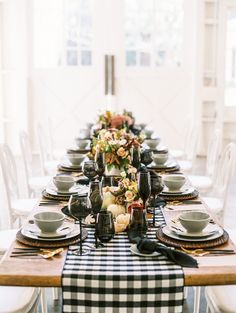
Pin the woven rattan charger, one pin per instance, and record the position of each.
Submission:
(50, 244)
(191, 245)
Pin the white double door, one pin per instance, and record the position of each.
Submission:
(161, 96)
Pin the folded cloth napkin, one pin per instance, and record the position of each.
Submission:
(147, 246)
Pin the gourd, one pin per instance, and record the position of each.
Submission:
(108, 198)
(116, 209)
(123, 219)
(121, 223)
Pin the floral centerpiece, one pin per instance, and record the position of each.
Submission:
(126, 192)
(117, 146)
(119, 200)
(113, 120)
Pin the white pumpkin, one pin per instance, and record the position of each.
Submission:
(123, 219)
(116, 209)
(119, 227)
(108, 199)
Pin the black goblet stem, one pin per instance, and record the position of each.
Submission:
(154, 213)
(80, 236)
(144, 203)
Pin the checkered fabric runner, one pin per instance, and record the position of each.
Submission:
(113, 280)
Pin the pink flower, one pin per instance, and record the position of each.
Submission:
(118, 120)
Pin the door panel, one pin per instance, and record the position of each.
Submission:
(159, 94)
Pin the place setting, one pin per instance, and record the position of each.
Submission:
(82, 143)
(72, 163)
(50, 229)
(62, 187)
(192, 229)
(161, 162)
(177, 188)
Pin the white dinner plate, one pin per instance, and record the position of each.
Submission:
(63, 230)
(182, 191)
(32, 232)
(211, 229)
(169, 233)
(134, 250)
(67, 164)
(167, 164)
(81, 189)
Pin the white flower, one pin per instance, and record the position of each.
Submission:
(107, 136)
(122, 152)
(123, 174)
(102, 133)
(112, 142)
(132, 170)
(129, 195)
(122, 142)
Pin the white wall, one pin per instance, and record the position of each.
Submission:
(14, 69)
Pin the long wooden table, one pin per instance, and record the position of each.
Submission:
(213, 270)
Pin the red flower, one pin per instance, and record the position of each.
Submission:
(134, 204)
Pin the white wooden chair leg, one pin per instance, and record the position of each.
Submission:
(197, 294)
(185, 292)
(43, 299)
(55, 293)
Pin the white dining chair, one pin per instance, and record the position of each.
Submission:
(19, 299)
(187, 156)
(217, 203)
(217, 199)
(18, 208)
(48, 163)
(205, 182)
(222, 299)
(35, 184)
(22, 299)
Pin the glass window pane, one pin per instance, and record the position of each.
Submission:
(230, 62)
(86, 57)
(131, 58)
(155, 26)
(145, 59)
(72, 57)
(60, 25)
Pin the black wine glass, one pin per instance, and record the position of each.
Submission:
(138, 220)
(100, 160)
(95, 196)
(104, 227)
(110, 181)
(156, 188)
(136, 158)
(90, 169)
(144, 186)
(146, 157)
(78, 208)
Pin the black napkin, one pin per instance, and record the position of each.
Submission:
(147, 246)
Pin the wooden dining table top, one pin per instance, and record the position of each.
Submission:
(212, 270)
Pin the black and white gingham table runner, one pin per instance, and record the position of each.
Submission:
(113, 280)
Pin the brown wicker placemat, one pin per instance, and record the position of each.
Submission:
(69, 169)
(165, 169)
(161, 149)
(77, 150)
(180, 197)
(50, 244)
(55, 197)
(190, 244)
